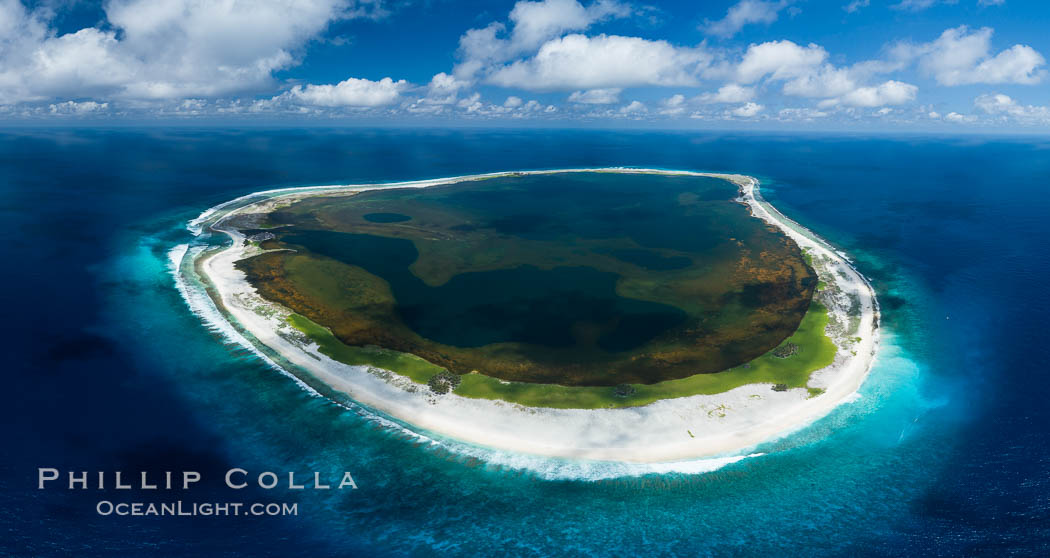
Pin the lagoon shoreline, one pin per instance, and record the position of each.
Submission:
(699, 426)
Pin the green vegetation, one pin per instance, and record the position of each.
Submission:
(815, 351)
(415, 368)
(786, 350)
(443, 382)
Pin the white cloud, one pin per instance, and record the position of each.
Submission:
(352, 92)
(596, 96)
(182, 57)
(960, 57)
(443, 89)
(856, 5)
(482, 45)
(803, 114)
(81, 108)
(191, 107)
(536, 22)
(472, 106)
(914, 5)
(747, 110)
(604, 61)
(888, 93)
(806, 73)
(1008, 109)
(472, 103)
(532, 24)
(673, 105)
(919, 5)
(540, 48)
(824, 81)
(743, 13)
(956, 117)
(152, 50)
(729, 93)
(634, 108)
(780, 60)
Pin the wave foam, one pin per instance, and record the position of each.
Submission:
(202, 306)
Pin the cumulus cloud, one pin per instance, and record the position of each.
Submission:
(352, 92)
(780, 60)
(1007, 108)
(185, 57)
(444, 89)
(541, 47)
(888, 93)
(747, 110)
(962, 56)
(536, 22)
(800, 114)
(596, 96)
(190, 107)
(78, 108)
(147, 50)
(531, 25)
(604, 61)
(472, 103)
(956, 117)
(673, 105)
(729, 93)
(743, 13)
(634, 108)
(823, 81)
(472, 106)
(805, 72)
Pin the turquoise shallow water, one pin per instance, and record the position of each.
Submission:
(944, 452)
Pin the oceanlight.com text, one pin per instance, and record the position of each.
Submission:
(179, 508)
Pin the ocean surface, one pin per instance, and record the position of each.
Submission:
(945, 452)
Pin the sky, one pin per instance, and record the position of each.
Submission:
(923, 65)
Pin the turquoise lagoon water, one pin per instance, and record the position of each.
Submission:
(944, 451)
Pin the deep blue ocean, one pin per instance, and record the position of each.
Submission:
(946, 452)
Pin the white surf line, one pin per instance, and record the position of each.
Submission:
(651, 434)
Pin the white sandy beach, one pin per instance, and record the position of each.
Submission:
(669, 430)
